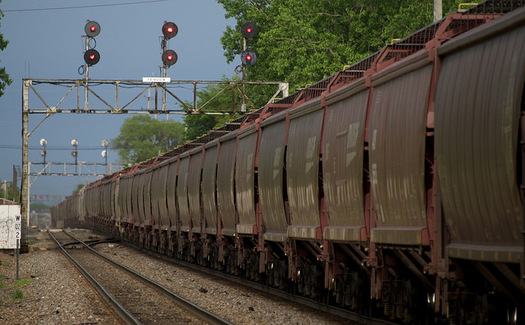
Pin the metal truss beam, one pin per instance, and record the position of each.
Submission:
(81, 168)
(107, 97)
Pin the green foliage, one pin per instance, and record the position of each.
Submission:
(142, 138)
(23, 282)
(39, 207)
(303, 41)
(3, 285)
(78, 188)
(17, 295)
(200, 124)
(4, 77)
(12, 194)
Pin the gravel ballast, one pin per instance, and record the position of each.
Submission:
(55, 293)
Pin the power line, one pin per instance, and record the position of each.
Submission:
(83, 7)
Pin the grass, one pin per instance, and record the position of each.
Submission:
(17, 295)
(2, 285)
(22, 282)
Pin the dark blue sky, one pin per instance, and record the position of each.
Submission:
(45, 43)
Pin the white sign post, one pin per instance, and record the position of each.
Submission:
(10, 226)
(10, 229)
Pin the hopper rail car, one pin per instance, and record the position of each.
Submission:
(393, 188)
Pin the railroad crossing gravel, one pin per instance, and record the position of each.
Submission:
(57, 294)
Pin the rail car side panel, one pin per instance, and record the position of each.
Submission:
(170, 221)
(478, 106)
(182, 193)
(110, 199)
(105, 200)
(113, 191)
(209, 177)
(117, 206)
(225, 186)
(127, 196)
(343, 147)
(245, 181)
(79, 207)
(148, 218)
(397, 136)
(155, 196)
(162, 221)
(137, 203)
(120, 201)
(271, 178)
(88, 203)
(194, 189)
(302, 165)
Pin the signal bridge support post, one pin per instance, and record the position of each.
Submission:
(25, 163)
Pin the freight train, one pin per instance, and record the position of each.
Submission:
(392, 188)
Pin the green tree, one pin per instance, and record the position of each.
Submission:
(200, 124)
(12, 193)
(142, 138)
(78, 188)
(4, 77)
(303, 41)
(37, 206)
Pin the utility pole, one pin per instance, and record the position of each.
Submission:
(438, 10)
(25, 144)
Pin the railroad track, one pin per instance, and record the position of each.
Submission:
(134, 298)
(350, 316)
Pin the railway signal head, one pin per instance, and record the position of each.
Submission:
(92, 28)
(249, 30)
(169, 30)
(169, 57)
(91, 57)
(248, 57)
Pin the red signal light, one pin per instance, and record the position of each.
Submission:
(169, 58)
(91, 57)
(249, 30)
(169, 30)
(92, 28)
(248, 57)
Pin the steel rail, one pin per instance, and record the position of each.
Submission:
(121, 312)
(307, 302)
(187, 305)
